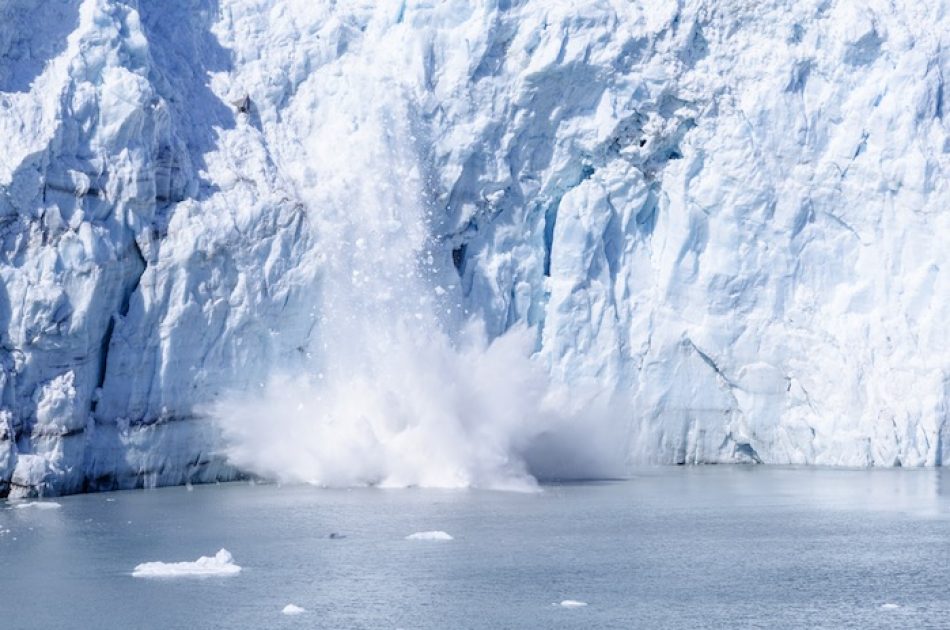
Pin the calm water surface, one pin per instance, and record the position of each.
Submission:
(707, 547)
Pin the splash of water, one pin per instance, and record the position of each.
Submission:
(424, 412)
(404, 389)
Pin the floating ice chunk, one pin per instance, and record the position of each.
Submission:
(434, 535)
(890, 606)
(221, 564)
(39, 505)
(571, 603)
(293, 609)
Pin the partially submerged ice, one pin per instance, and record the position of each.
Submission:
(219, 565)
(736, 216)
(36, 505)
(432, 535)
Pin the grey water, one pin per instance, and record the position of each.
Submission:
(702, 547)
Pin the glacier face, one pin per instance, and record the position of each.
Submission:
(734, 214)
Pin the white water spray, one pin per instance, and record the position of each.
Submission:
(403, 388)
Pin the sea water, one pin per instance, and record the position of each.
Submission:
(703, 547)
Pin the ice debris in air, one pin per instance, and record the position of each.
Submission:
(571, 603)
(435, 535)
(293, 609)
(39, 505)
(221, 564)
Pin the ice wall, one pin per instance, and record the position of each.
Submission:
(735, 214)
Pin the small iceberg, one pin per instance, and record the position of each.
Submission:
(889, 606)
(220, 565)
(571, 603)
(39, 505)
(293, 609)
(434, 535)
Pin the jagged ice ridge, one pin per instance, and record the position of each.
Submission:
(733, 214)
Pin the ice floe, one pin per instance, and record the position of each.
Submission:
(221, 564)
(39, 505)
(434, 535)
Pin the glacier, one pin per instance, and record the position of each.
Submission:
(728, 219)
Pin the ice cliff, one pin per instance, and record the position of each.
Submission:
(732, 214)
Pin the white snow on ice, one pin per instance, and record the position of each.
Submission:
(433, 535)
(221, 564)
(571, 603)
(293, 609)
(732, 217)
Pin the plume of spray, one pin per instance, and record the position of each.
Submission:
(404, 389)
(426, 411)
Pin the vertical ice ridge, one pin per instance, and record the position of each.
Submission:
(767, 181)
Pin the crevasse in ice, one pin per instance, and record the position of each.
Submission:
(734, 215)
